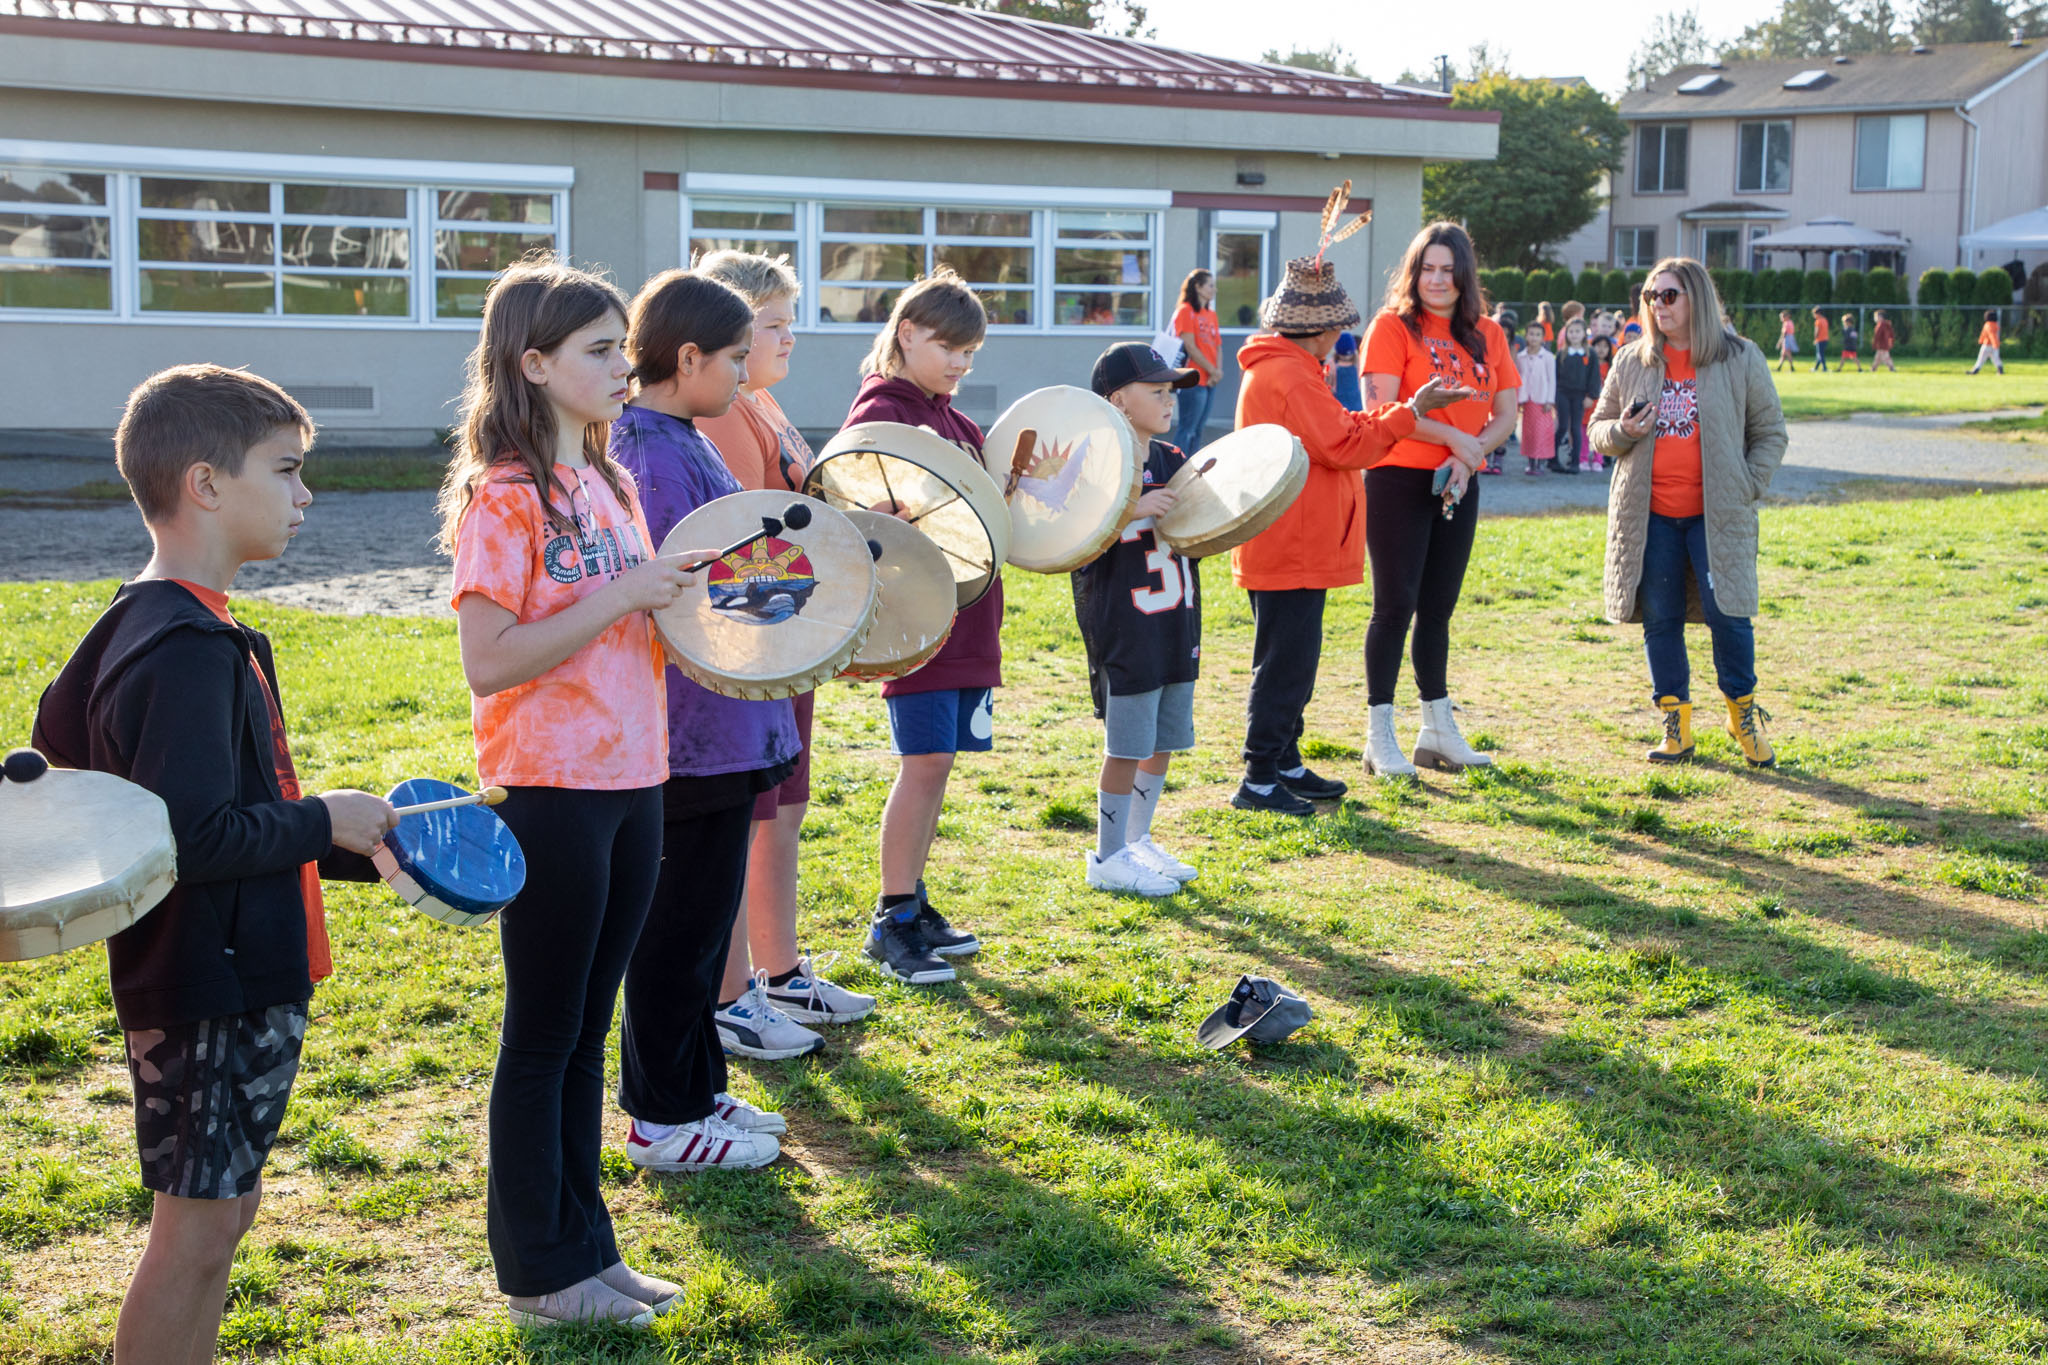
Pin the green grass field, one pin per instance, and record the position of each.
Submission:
(1920, 386)
(1610, 1064)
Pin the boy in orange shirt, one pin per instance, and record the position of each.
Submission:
(1987, 343)
(1820, 340)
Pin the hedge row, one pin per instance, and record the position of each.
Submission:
(1783, 288)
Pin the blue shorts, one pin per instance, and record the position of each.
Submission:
(957, 720)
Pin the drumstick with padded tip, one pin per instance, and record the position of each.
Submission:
(24, 765)
(489, 796)
(796, 516)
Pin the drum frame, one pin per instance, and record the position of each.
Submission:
(964, 475)
(857, 671)
(1247, 525)
(999, 453)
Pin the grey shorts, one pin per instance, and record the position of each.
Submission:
(1161, 721)
(210, 1096)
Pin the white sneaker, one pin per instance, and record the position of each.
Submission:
(751, 1027)
(1162, 862)
(809, 998)
(709, 1144)
(1122, 871)
(750, 1117)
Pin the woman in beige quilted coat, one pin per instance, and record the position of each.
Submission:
(1691, 420)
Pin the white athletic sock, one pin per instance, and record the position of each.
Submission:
(652, 1132)
(1112, 820)
(1262, 788)
(1295, 772)
(1145, 790)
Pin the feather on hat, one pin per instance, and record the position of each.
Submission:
(1310, 300)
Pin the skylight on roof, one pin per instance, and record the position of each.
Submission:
(1808, 80)
(1704, 84)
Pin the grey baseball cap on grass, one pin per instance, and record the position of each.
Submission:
(1260, 1007)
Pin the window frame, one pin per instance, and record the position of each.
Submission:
(107, 212)
(1265, 225)
(1764, 159)
(1664, 131)
(423, 181)
(1635, 262)
(807, 244)
(1856, 154)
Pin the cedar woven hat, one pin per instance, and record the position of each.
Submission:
(1260, 1007)
(1310, 300)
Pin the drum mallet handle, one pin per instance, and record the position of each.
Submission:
(796, 516)
(489, 796)
(1020, 459)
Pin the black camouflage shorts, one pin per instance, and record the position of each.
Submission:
(209, 1098)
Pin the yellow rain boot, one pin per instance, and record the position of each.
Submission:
(1677, 745)
(1746, 727)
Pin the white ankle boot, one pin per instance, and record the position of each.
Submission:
(1439, 745)
(1383, 756)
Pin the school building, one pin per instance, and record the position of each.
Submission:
(322, 191)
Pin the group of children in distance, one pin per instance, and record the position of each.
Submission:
(658, 820)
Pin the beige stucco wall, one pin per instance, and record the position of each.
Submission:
(613, 129)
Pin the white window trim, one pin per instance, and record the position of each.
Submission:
(124, 164)
(1266, 226)
(811, 195)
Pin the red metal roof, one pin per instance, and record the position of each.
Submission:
(920, 45)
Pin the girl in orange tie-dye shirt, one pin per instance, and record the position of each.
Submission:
(555, 576)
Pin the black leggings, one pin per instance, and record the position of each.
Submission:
(671, 1066)
(1418, 569)
(591, 858)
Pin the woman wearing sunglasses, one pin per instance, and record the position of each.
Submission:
(1691, 420)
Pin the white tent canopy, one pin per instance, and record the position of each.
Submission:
(2022, 232)
(1828, 234)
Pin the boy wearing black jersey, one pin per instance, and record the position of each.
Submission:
(1140, 609)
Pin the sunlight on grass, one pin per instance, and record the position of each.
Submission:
(1609, 1062)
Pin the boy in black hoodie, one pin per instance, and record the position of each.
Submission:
(171, 692)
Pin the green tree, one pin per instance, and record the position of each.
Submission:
(1994, 289)
(1121, 17)
(1556, 141)
(1332, 59)
(1973, 21)
(1821, 28)
(1674, 40)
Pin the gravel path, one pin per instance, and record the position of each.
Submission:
(372, 553)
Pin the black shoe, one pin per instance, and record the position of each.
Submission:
(1310, 787)
(1559, 466)
(899, 948)
(945, 940)
(1279, 801)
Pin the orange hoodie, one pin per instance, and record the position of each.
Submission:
(1320, 541)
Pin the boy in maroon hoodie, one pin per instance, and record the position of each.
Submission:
(917, 362)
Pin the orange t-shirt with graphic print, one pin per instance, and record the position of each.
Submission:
(1208, 335)
(1675, 461)
(597, 721)
(758, 443)
(319, 956)
(1390, 348)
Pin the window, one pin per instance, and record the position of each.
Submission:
(1891, 152)
(1635, 248)
(1763, 157)
(174, 234)
(1758, 260)
(269, 248)
(1240, 276)
(1660, 158)
(867, 253)
(1720, 247)
(1102, 268)
(765, 227)
(56, 240)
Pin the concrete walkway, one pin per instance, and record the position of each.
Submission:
(364, 553)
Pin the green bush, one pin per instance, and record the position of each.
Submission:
(1994, 289)
(1591, 286)
(1850, 287)
(1933, 288)
(1817, 286)
(1881, 286)
(1734, 286)
(1510, 285)
(1962, 287)
(1486, 287)
(1614, 287)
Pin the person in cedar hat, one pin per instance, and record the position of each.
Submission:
(1319, 543)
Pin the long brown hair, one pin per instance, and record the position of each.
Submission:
(941, 302)
(502, 417)
(1404, 292)
(1711, 341)
(1194, 281)
(679, 308)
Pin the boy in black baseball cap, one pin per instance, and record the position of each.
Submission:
(1140, 609)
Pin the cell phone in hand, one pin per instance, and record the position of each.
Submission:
(1442, 479)
(1636, 409)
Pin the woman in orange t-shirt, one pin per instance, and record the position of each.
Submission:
(1987, 343)
(1201, 340)
(555, 580)
(1419, 541)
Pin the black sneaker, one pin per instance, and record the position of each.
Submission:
(944, 939)
(1279, 801)
(900, 949)
(1310, 787)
